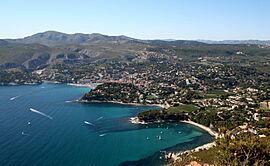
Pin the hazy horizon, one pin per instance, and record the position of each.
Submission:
(137, 38)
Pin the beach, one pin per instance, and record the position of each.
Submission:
(88, 85)
(177, 155)
(135, 120)
(207, 129)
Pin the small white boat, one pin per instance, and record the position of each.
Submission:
(23, 133)
(159, 137)
(147, 138)
(29, 123)
(179, 132)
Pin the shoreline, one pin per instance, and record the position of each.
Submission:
(122, 103)
(173, 155)
(177, 155)
(135, 120)
(19, 84)
(205, 128)
(51, 82)
(87, 85)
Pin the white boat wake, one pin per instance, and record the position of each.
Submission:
(89, 123)
(13, 98)
(40, 113)
(25, 134)
(102, 135)
(99, 118)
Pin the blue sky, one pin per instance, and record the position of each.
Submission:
(145, 19)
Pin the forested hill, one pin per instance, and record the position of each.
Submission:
(44, 49)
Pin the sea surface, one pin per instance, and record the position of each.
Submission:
(57, 132)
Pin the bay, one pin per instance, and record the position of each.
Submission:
(28, 138)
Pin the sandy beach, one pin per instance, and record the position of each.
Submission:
(88, 85)
(51, 82)
(135, 120)
(210, 131)
(177, 155)
(207, 146)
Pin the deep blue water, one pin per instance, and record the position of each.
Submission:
(67, 140)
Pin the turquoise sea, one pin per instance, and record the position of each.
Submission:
(31, 139)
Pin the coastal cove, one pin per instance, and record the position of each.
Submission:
(109, 138)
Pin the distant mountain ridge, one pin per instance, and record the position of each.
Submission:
(53, 38)
(3, 43)
(45, 49)
(256, 42)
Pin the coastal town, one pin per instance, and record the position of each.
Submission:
(214, 96)
(230, 95)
